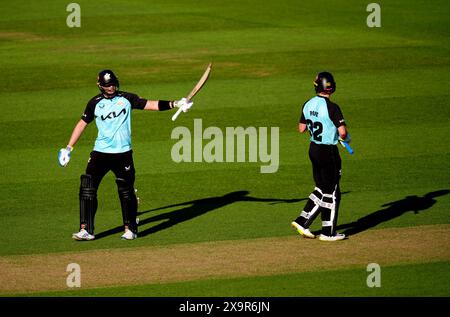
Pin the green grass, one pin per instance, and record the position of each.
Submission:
(426, 279)
(391, 86)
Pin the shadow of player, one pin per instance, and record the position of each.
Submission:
(192, 209)
(393, 210)
(199, 207)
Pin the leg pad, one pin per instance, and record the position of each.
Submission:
(88, 202)
(128, 202)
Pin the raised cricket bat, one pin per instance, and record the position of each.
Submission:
(196, 89)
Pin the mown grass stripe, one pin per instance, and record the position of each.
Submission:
(256, 257)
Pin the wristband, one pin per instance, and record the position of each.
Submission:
(164, 105)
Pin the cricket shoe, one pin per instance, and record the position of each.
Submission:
(303, 231)
(129, 235)
(337, 237)
(83, 235)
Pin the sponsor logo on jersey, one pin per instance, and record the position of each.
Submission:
(113, 114)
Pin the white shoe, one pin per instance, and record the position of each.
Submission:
(303, 231)
(83, 235)
(337, 237)
(128, 235)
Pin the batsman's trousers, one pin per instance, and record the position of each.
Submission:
(121, 164)
(326, 197)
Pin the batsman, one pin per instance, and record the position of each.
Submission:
(111, 110)
(326, 125)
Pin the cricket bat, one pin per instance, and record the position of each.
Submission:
(196, 89)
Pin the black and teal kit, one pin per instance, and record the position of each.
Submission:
(323, 118)
(113, 120)
(112, 152)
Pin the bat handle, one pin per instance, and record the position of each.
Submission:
(175, 116)
(347, 146)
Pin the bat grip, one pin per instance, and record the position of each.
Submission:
(347, 146)
(175, 116)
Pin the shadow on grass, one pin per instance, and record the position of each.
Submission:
(393, 210)
(192, 209)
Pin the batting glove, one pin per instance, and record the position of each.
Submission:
(348, 138)
(64, 156)
(184, 104)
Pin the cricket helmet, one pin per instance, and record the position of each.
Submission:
(324, 82)
(107, 78)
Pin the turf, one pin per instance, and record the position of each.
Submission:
(391, 86)
(401, 280)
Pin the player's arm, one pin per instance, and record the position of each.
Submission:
(162, 105)
(339, 121)
(159, 105)
(76, 133)
(343, 133)
(64, 153)
(302, 127)
(88, 116)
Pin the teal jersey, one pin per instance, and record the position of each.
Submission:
(113, 119)
(322, 117)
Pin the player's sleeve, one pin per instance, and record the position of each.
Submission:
(335, 114)
(89, 113)
(135, 101)
(302, 115)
